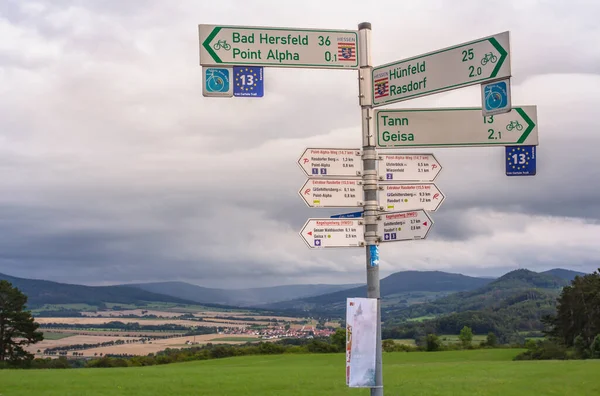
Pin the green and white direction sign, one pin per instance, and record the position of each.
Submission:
(454, 67)
(278, 47)
(451, 127)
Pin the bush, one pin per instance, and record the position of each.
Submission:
(543, 350)
(432, 343)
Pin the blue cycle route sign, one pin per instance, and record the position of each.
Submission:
(217, 81)
(520, 161)
(248, 81)
(496, 97)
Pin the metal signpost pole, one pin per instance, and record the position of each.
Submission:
(370, 178)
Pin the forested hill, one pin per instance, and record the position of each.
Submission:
(563, 273)
(393, 287)
(512, 288)
(40, 292)
(513, 303)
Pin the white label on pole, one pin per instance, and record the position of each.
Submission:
(454, 67)
(278, 47)
(361, 342)
(408, 167)
(330, 233)
(331, 193)
(412, 196)
(327, 162)
(450, 127)
(404, 226)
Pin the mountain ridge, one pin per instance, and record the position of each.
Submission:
(41, 292)
(241, 297)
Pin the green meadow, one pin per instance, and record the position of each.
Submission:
(475, 373)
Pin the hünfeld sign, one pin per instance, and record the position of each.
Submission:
(454, 67)
(278, 47)
(448, 127)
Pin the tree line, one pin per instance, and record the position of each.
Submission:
(134, 326)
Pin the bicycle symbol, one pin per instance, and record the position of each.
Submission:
(222, 44)
(489, 57)
(513, 125)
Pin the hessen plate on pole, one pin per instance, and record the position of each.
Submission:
(351, 215)
(331, 193)
(412, 196)
(329, 233)
(404, 226)
(454, 67)
(408, 167)
(451, 127)
(327, 162)
(278, 47)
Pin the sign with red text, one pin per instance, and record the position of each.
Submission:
(404, 226)
(412, 196)
(408, 167)
(330, 233)
(328, 162)
(332, 193)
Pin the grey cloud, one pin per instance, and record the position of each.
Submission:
(114, 168)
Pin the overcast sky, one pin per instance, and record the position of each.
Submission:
(114, 168)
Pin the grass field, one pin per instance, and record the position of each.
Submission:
(473, 373)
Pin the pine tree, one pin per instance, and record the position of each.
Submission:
(577, 312)
(17, 326)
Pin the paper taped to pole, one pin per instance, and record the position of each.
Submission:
(361, 342)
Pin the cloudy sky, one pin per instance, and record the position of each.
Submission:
(114, 168)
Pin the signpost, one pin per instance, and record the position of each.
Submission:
(404, 226)
(327, 162)
(278, 47)
(328, 233)
(454, 67)
(412, 196)
(450, 127)
(331, 193)
(408, 167)
(232, 60)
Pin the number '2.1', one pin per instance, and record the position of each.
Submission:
(493, 135)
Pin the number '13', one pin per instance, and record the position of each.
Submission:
(247, 79)
(519, 159)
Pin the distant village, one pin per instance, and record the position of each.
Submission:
(306, 331)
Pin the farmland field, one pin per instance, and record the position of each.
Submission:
(49, 335)
(478, 372)
(236, 326)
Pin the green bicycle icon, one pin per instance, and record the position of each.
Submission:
(514, 125)
(489, 57)
(222, 44)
